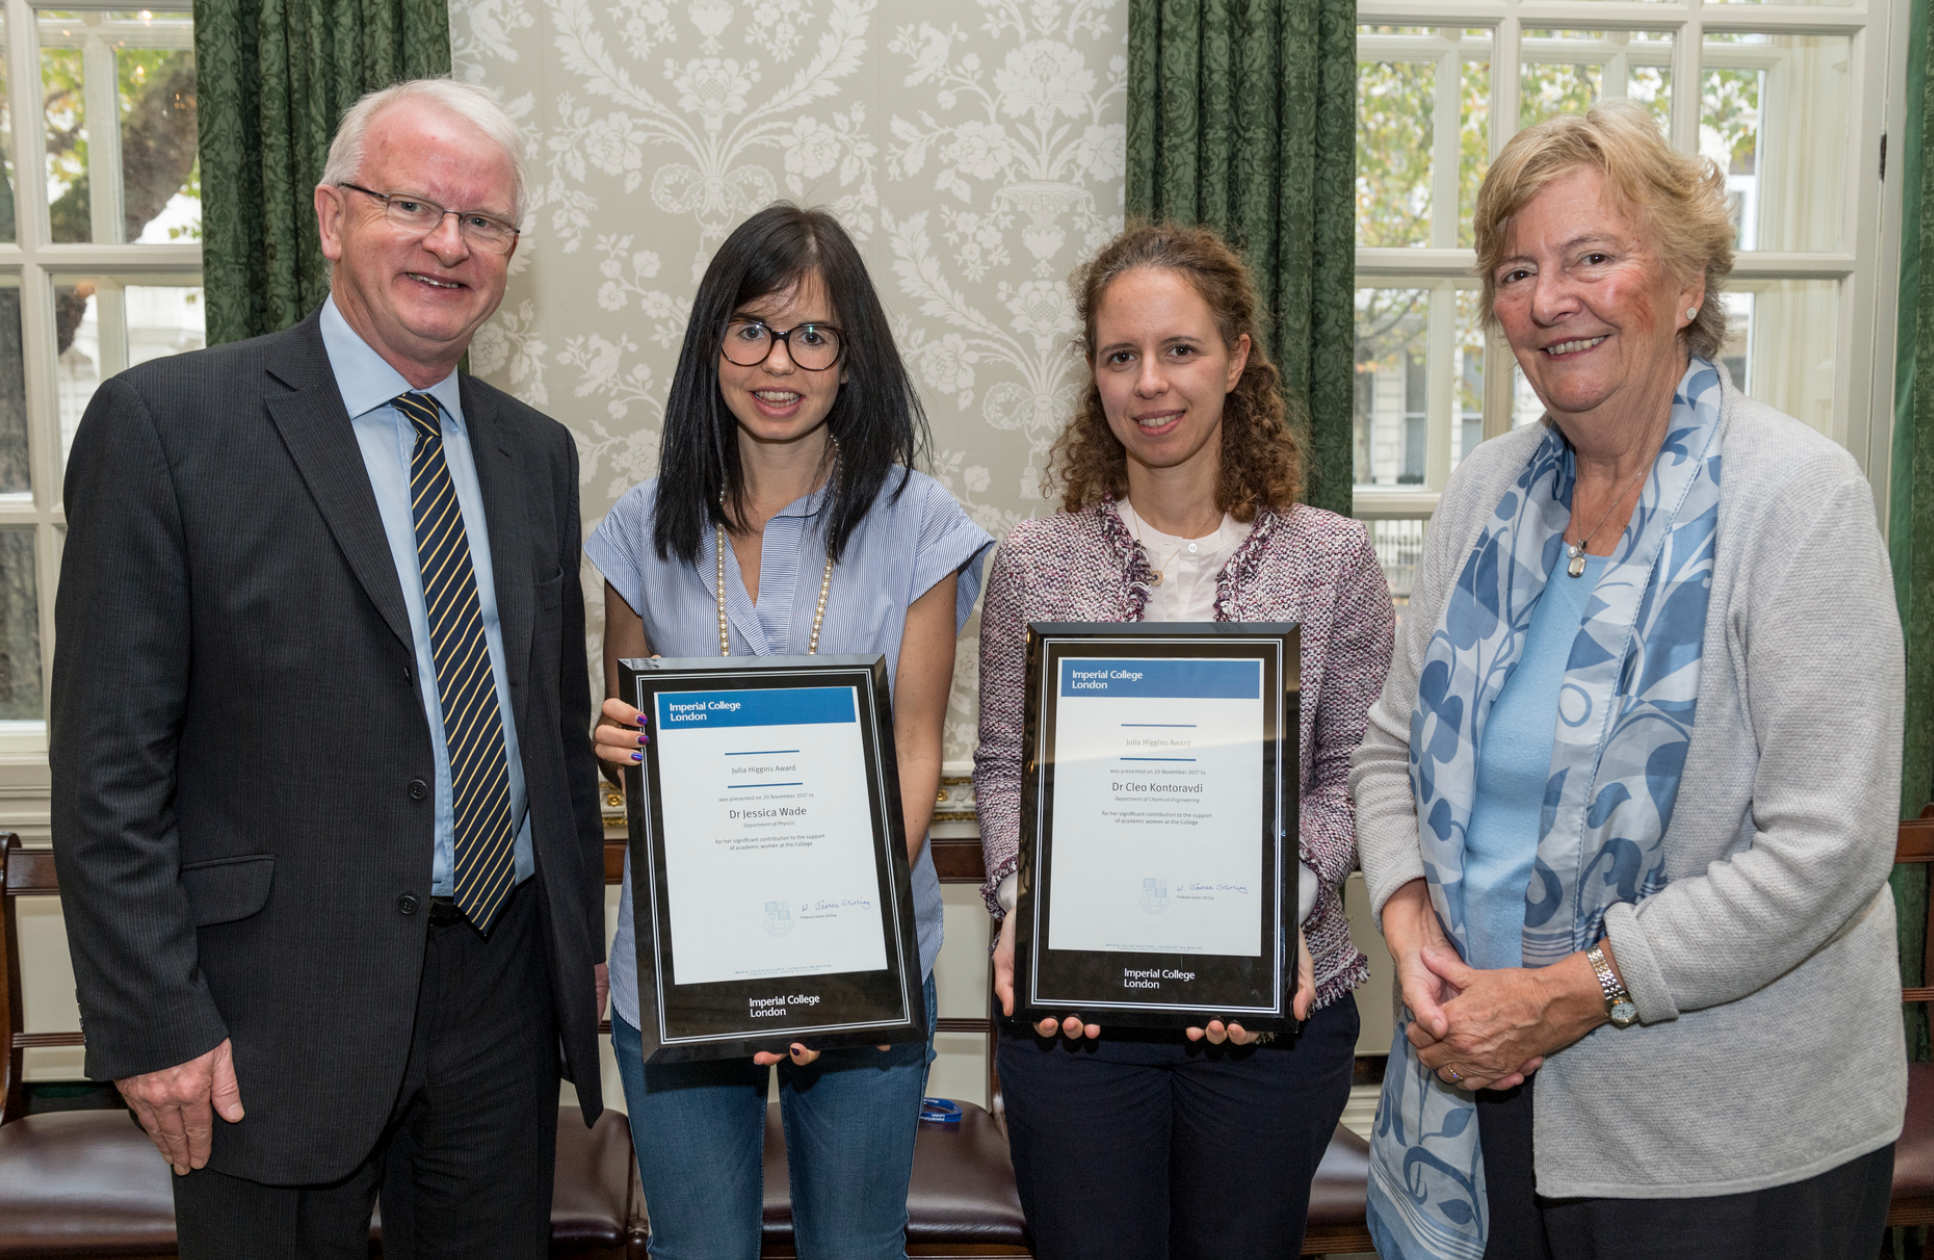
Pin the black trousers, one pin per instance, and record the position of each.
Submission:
(1834, 1215)
(1153, 1147)
(464, 1167)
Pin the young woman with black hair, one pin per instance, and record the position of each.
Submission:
(786, 519)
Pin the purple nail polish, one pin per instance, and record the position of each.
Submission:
(637, 756)
(643, 738)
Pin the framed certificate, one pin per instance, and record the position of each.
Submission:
(768, 858)
(1158, 861)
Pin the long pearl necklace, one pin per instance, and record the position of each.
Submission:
(825, 583)
(819, 612)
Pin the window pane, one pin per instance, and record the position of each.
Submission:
(7, 230)
(105, 325)
(1567, 72)
(1474, 132)
(16, 480)
(63, 87)
(1525, 407)
(1467, 390)
(1775, 115)
(1398, 125)
(1776, 349)
(160, 171)
(1394, 131)
(1399, 546)
(20, 690)
(1392, 331)
(146, 66)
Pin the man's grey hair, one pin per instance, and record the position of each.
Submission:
(474, 104)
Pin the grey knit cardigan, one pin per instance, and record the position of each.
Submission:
(1769, 1046)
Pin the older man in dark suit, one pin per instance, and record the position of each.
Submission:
(324, 804)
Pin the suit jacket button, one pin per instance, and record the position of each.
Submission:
(418, 789)
(407, 904)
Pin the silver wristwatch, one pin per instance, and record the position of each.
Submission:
(1618, 1003)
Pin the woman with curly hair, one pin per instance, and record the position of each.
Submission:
(1178, 479)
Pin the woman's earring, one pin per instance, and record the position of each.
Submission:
(1692, 312)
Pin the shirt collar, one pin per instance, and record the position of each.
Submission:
(364, 380)
(808, 504)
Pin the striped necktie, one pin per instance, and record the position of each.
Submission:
(472, 727)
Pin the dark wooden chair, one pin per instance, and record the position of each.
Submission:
(89, 1183)
(1913, 1194)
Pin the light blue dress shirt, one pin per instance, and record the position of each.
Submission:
(368, 385)
(1513, 762)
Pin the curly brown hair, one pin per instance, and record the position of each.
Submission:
(1262, 453)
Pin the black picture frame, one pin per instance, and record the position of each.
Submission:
(1122, 987)
(734, 1018)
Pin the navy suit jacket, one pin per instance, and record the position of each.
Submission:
(242, 771)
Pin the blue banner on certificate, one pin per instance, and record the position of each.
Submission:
(769, 868)
(1158, 847)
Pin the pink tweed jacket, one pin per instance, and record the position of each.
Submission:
(1305, 565)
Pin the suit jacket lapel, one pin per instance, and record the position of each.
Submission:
(505, 510)
(316, 429)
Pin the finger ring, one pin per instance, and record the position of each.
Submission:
(1455, 1075)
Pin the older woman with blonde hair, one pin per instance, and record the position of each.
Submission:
(1626, 804)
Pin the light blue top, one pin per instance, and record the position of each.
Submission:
(899, 550)
(1513, 762)
(368, 385)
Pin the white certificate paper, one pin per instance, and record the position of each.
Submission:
(1157, 801)
(769, 861)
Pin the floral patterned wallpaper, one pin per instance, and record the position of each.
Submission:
(975, 151)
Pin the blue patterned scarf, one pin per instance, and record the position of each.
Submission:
(1625, 719)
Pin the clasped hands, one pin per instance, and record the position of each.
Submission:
(1074, 1027)
(1479, 1028)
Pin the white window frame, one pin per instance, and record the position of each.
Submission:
(39, 268)
(1867, 269)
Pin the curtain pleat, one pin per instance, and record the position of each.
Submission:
(1242, 116)
(276, 76)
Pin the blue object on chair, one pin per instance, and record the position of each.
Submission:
(940, 1111)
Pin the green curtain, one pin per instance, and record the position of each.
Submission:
(1910, 525)
(1242, 116)
(275, 77)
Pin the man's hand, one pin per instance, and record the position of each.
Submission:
(173, 1104)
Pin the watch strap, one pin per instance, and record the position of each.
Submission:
(1618, 1001)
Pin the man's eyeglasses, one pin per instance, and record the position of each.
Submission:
(485, 231)
(749, 342)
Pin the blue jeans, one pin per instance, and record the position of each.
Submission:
(849, 1120)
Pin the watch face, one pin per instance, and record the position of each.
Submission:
(1623, 1014)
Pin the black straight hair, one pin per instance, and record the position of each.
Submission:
(876, 417)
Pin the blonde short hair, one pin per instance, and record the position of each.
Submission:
(1678, 200)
